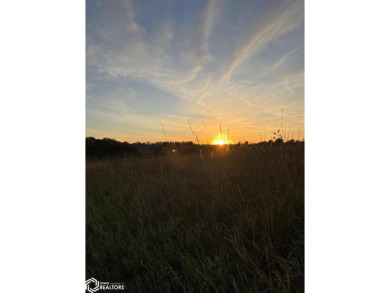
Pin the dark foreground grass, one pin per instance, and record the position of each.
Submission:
(226, 222)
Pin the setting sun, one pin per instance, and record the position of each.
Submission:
(221, 141)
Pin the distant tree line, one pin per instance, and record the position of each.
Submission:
(108, 147)
(111, 148)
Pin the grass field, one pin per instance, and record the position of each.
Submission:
(229, 221)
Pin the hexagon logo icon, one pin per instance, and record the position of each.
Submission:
(92, 285)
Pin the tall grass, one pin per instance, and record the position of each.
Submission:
(226, 222)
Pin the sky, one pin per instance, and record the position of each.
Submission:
(155, 68)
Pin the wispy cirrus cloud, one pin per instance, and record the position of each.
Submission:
(173, 69)
(277, 24)
(199, 43)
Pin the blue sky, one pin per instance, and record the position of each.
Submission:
(170, 62)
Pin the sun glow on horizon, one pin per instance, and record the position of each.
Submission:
(221, 141)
